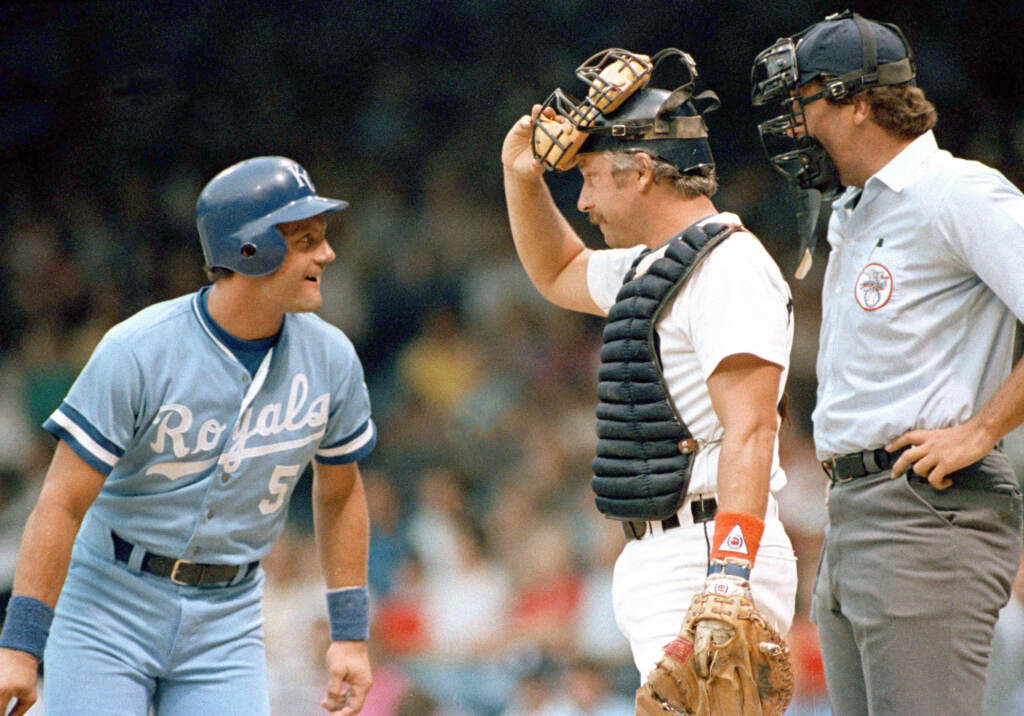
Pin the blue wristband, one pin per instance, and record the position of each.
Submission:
(26, 626)
(734, 570)
(348, 611)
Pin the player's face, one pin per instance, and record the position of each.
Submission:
(604, 197)
(295, 286)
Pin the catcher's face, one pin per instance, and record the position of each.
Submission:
(607, 198)
(295, 286)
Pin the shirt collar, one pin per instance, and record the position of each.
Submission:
(903, 169)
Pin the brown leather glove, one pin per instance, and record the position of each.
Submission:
(743, 668)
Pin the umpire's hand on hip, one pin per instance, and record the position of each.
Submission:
(936, 453)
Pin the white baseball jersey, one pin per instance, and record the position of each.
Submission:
(200, 457)
(735, 302)
(920, 300)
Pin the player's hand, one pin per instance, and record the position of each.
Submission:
(348, 677)
(17, 681)
(517, 151)
(936, 453)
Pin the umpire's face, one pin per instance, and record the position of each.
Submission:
(608, 198)
(835, 125)
(295, 286)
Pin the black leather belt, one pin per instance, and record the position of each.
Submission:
(844, 468)
(703, 510)
(180, 571)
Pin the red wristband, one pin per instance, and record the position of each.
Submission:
(737, 535)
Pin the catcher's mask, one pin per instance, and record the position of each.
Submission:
(238, 211)
(847, 54)
(620, 113)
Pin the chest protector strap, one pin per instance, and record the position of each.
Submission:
(644, 449)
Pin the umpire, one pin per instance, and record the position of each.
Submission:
(915, 389)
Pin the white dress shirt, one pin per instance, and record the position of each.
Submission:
(922, 289)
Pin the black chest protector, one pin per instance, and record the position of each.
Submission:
(644, 450)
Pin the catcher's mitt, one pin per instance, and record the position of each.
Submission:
(748, 674)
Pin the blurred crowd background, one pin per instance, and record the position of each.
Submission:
(490, 567)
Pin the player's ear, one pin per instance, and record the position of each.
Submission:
(645, 170)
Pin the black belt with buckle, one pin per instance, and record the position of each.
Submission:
(180, 571)
(703, 510)
(844, 468)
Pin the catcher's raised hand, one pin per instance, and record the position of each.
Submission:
(517, 151)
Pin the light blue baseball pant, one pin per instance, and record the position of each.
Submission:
(123, 641)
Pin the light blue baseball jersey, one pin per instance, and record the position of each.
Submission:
(921, 296)
(200, 457)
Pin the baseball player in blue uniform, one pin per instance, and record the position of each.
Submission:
(921, 295)
(179, 445)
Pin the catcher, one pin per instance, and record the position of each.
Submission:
(695, 356)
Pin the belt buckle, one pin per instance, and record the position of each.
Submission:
(829, 466)
(174, 572)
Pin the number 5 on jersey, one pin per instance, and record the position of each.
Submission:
(279, 487)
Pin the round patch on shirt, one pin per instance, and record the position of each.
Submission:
(874, 287)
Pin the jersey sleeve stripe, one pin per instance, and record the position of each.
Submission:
(350, 449)
(69, 418)
(86, 443)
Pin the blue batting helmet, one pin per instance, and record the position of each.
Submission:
(238, 211)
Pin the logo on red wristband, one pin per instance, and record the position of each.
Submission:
(737, 535)
(734, 541)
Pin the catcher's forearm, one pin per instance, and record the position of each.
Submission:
(744, 470)
(744, 390)
(543, 238)
(554, 257)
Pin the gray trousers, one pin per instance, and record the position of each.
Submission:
(910, 583)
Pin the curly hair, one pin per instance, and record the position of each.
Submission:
(902, 110)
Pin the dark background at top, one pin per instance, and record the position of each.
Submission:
(89, 88)
(98, 96)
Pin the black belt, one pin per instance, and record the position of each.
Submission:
(703, 510)
(180, 571)
(844, 468)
